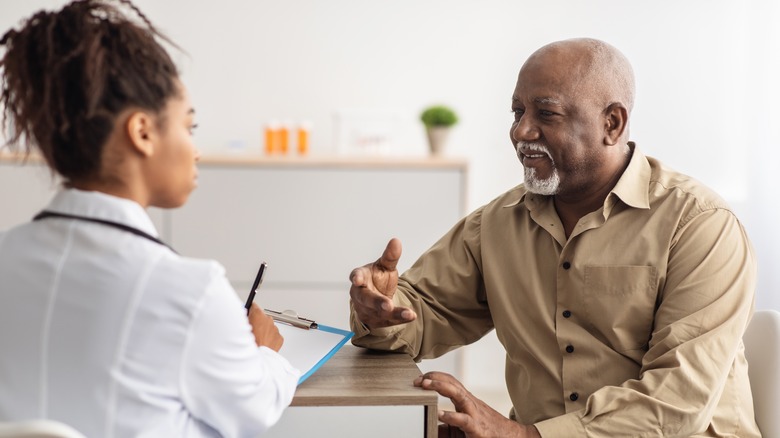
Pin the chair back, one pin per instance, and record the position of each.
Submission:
(37, 429)
(762, 350)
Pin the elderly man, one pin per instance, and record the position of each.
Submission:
(619, 288)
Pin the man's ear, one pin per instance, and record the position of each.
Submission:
(140, 128)
(615, 124)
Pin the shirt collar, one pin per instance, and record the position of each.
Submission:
(631, 188)
(100, 205)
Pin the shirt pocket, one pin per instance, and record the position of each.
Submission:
(620, 304)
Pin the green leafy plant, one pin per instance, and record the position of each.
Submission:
(438, 115)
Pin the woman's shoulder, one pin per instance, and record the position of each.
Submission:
(187, 278)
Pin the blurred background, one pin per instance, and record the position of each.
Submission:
(707, 88)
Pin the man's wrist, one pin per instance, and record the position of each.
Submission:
(531, 432)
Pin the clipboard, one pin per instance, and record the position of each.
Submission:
(307, 344)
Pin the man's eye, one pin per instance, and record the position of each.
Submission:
(545, 113)
(193, 127)
(518, 113)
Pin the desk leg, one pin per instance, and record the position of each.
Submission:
(431, 421)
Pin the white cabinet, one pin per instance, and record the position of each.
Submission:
(314, 221)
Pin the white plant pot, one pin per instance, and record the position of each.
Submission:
(437, 138)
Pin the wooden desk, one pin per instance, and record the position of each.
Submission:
(358, 377)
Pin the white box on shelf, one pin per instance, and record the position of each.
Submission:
(366, 131)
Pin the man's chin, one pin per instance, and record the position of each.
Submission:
(544, 191)
(546, 187)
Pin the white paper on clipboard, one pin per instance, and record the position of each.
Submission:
(308, 349)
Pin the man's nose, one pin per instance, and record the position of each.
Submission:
(525, 130)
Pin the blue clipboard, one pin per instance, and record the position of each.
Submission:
(307, 345)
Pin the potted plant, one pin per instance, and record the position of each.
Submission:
(438, 120)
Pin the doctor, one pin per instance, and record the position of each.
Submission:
(102, 326)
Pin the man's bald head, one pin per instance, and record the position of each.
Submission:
(590, 66)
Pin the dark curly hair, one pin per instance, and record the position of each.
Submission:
(68, 74)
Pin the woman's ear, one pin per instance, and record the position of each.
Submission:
(140, 128)
(616, 121)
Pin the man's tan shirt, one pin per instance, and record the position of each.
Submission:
(631, 327)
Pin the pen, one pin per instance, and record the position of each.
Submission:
(255, 286)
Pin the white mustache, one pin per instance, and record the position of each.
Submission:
(524, 147)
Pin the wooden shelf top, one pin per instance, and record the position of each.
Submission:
(335, 161)
(309, 161)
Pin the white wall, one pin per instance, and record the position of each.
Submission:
(707, 81)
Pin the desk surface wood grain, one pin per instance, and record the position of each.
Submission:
(358, 377)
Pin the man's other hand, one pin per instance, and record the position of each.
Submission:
(473, 417)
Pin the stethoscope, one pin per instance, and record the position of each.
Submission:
(49, 214)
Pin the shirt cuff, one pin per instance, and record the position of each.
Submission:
(384, 332)
(361, 330)
(564, 426)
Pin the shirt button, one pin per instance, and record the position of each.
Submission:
(570, 349)
(566, 265)
(574, 396)
(566, 313)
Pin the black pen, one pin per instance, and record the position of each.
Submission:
(255, 286)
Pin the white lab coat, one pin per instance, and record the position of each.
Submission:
(118, 336)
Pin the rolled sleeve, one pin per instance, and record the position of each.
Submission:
(569, 425)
